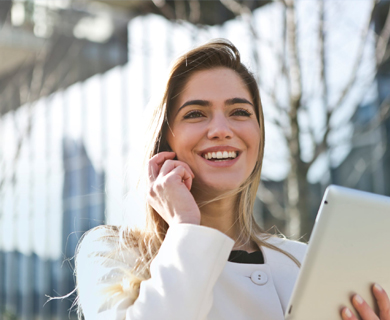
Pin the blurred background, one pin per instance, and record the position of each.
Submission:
(76, 78)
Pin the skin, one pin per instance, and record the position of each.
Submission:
(220, 123)
(175, 186)
(216, 121)
(364, 310)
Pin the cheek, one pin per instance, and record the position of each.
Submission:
(253, 143)
(251, 135)
(182, 141)
(185, 135)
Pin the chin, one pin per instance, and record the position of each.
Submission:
(217, 186)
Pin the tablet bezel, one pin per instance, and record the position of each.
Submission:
(352, 228)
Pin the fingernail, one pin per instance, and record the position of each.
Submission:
(358, 299)
(348, 313)
(378, 287)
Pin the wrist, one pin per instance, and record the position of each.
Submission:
(186, 220)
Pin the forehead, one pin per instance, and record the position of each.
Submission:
(213, 85)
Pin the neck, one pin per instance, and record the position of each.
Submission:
(221, 215)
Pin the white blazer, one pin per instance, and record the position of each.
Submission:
(191, 279)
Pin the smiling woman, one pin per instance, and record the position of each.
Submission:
(201, 254)
(213, 116)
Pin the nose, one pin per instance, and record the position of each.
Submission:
(219, 128)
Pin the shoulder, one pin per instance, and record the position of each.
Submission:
(291, 246)
(104, 270)
(295, 248)
(103, 243)
(283, 268)
(100, 238)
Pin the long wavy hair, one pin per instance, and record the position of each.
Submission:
(214, 54)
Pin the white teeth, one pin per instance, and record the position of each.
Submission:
(220, 155)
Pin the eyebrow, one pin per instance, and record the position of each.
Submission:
(238, 100)
(202, 103)
(205, 103)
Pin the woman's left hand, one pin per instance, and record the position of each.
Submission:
(364, 310)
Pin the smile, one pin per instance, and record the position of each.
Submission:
(220, 155)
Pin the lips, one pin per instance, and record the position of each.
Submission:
(220, 153)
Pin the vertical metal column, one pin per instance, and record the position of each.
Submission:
(59, 272)
(125, 125)
(103, 119)
(31, 183)
(48, 154)
(2, 181)
(25, 285)
(84, 217)
(145, 60)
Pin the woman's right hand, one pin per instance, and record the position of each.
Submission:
(169, 188)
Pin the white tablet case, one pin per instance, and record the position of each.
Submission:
(348, 251)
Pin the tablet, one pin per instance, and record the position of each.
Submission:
(349, 251)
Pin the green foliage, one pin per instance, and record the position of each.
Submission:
(7, 315)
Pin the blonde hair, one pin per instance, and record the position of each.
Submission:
(215, 54)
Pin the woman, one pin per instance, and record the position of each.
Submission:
(204, 164)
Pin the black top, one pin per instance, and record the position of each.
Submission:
(240, 256)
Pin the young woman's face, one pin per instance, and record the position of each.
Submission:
(214, 130)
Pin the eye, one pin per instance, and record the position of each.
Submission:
(241, 112)
(193, 114)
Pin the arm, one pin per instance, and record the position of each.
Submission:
(184, 271)
(183, 275)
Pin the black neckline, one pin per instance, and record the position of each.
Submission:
(241, 256)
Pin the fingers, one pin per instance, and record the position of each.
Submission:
(169, 165)
(184, 175)
(363, 308)
(162, 164)
(347, 314)
(156, 162)
(383, 302)
(365, 311)
(179, 168)
(169, 188)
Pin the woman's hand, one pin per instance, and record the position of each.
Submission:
(365, 312)
(169, 189)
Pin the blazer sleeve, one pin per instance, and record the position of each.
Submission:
(183, 275)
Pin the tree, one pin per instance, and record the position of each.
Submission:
(298, 97)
